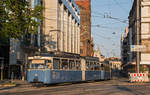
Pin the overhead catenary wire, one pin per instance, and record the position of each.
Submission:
(109, 17)
(104, 18)
(103, 37)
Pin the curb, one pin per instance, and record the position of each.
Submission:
(7, 85)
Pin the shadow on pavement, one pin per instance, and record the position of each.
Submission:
(122, 88)
(6, 88)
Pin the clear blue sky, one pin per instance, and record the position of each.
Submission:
(105, 31)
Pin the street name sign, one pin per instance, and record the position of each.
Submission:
(137, 48)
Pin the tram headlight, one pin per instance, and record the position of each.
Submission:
(35, 75)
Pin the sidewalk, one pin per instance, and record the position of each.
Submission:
(3, 82)
(6, 84)
(21, 82)
(15, 84)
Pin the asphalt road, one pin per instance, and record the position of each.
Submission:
(111, 87)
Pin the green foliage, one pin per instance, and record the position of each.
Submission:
(143, 68)
(17, 18)
(3, 17)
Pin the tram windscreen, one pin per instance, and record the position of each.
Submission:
(38, 66)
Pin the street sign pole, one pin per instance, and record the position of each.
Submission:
(138, 32)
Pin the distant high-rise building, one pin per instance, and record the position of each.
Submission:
(86, 41)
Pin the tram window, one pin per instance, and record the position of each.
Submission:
(38, 66)
(102, 66)
(87, 65)
(70, 65)
(93, 67)
(73, 65)
(78, 67)
(47, 61)
(90, 66)
(97, 66)
(56, 64)
(65, 65)
(107, 68)
(30, 61)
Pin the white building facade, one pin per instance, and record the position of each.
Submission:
(145, 31)
(61, 26)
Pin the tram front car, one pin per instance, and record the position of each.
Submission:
(39, 70)
(54, 69)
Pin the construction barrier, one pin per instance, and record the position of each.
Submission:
(138, 77)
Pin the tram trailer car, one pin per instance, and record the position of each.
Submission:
(60, 68)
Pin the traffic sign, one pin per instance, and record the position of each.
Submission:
(137, 48)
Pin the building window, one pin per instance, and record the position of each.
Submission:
(81, 51)
(81, 43)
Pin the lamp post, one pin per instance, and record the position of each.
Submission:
(138, 32)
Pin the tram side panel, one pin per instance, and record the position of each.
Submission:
(92, 75)
(59, 76)
(53, 76)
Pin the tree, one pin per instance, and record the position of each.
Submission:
(2, 18)
(17, 18)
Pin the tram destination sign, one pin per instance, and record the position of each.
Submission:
(137, 48)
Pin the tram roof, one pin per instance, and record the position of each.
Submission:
(65, 55)
(91, 58)
(59, 54)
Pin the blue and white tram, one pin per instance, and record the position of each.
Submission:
(56, 68)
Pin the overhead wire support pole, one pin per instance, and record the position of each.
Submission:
(138, 30)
